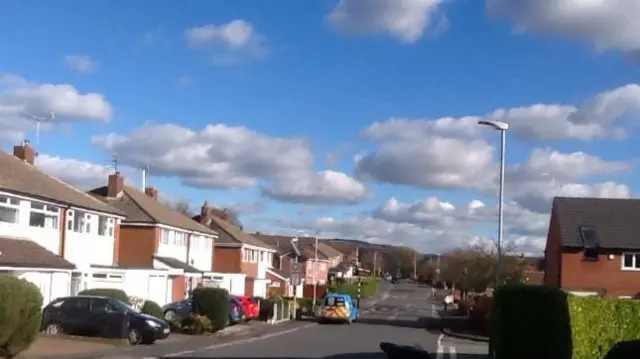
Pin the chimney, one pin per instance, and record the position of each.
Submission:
(151, 192)
(115, 185)
(25, 152)
(225, 215)
(206, 211)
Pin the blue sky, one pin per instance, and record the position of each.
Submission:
(311, 77)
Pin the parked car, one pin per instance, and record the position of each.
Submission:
(236, 312)
(100, 316)
(183, 308)
(180, 309)
(251, 306)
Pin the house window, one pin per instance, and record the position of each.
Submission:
(43, 216)
(9, 209)
(262, 255)
(590, 243)
(164, 236)
(245, 255)
(323, 266)
(631, 261)
(106, 226)
(81, 222)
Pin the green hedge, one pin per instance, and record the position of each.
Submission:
(212, 303)
(599, 323)
(107, 292)
(530, 322)
(368, 288)
(20, 315)
(153, 309)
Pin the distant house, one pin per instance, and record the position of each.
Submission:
(155, 236)
(593, 246)
(240, 259)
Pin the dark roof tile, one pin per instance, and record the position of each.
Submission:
(24, 253)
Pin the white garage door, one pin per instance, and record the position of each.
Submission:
(158, 289)
(106, 280)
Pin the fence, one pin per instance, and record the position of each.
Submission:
(282, 310)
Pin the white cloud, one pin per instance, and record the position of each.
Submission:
(405, 19)
(19, 96)
(606, 24)
(81, 174)
(80, 63)
(327, 187)
(221, 156)
(231, 43)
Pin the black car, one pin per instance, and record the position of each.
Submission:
(101, 317)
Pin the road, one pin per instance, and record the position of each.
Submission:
(401, 313)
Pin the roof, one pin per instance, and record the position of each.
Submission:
(18, 176)
(325, 248)
(24, 253)
(283, 245)
(616, 221)
(229, 233)
(141, 208)
(176, 264)
(278, 273)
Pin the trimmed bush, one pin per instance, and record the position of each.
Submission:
(212, 303)
(107, 292)
(598, 324)
(20, 315)
(196, 324)
(266, 308)
(153, 309)
(530, 322)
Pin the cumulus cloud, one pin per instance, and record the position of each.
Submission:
(19, 97)
(226, 157)
(231, 43)
(605, 24)
(406, 20)
(82, 174)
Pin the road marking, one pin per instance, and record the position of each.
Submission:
(180, 353)
(452, 352)
(262, 337)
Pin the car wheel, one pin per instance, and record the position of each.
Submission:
(134, 336)
(53, 329)
(170, 315)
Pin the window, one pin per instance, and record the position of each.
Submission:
(180, 239)
(254, 255)
(631, 261)
(262, 255)
(81, 222)
(164, 236)
(9, 209)
(590, 243)
(43, 216)
(106, 226)
(323, 266)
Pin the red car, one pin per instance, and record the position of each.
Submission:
(250, 305)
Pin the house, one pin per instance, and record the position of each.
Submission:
(241, 261)
(311, 270)
(154, 236)
(593, 246)
(51, 233)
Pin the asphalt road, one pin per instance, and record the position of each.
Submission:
(401, 313)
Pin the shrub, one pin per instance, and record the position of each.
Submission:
(530, 322)
(599, 323)
(480, 314)
(20, 315)
(152, 308)
(266, 308)
(196, 324)
(107, 292)
(464, 308)
(212, 303)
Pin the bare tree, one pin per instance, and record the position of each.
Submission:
(182, 207)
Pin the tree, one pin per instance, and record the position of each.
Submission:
(233, 219)
(402, 260)
(181, 206)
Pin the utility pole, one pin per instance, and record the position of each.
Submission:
(375, 257)
(315, 272)
(415, 265)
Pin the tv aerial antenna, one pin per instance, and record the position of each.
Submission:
(114, 162)
(39, 120)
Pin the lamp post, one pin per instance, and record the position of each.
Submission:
(294, 243)
(315, 271)
(502, 127)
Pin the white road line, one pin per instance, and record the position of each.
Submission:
(177, 354)
(452, 352)
(440, 353)
(266, 336)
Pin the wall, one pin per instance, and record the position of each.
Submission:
(85, 249)
(321, 272)
(200, 252)
(552, 255)
(46, 237)
(172, 250)
(227, 260)
(582, 275)
(137, 245)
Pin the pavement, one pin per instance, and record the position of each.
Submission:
(403, 313)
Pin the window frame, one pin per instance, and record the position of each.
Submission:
(12, 204)
(48, 211)
(589, 249)
(635, 267)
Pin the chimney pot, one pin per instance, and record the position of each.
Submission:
(151, 192)
(25, 152)
(115, 185)
(206, 211)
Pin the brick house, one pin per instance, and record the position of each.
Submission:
(593, 246)
(155, 236)
(237, 252)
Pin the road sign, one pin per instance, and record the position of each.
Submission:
(295, 279)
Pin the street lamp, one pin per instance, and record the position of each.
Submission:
(502, 127)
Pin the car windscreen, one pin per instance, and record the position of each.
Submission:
(334, 301)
